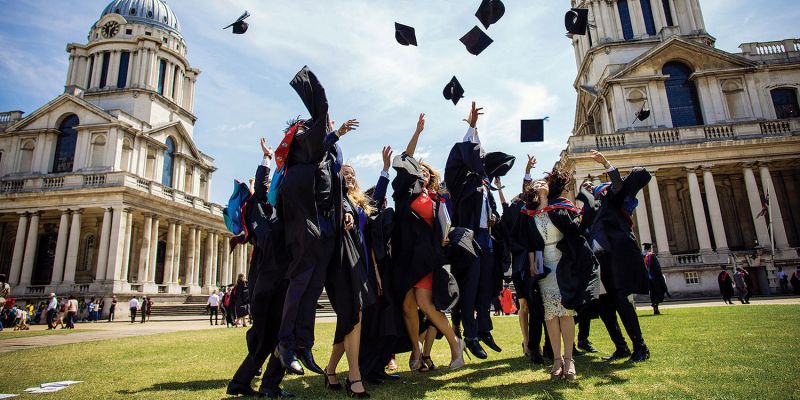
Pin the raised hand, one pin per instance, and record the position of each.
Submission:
(531, 164)
(421, 123)
(387, 157)
(472, 118)
(266, 149)
(600, 158)
(348, 126)
(349, 222)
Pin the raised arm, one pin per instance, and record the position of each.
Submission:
(412, 144)
(262, 172)
(499, 186)
(528, 168)
(379, 195)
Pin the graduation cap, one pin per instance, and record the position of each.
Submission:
(476, 41)
(643, 113)
(490, 12)
(453, 91)
(577, 21)
(532, 130)
(239, 26)
(497, 164)
(405, 34)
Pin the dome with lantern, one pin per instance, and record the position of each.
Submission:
(155, 13)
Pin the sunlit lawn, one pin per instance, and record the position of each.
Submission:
(735, 352)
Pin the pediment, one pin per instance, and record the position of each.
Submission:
(51, 114)
(176, 129)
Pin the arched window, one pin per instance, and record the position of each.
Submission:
(785, 102)
(625, 19)
(98, 150)
(26, 155)
(649, 22)
(169, 155)
(684, 105)
(127, 150)
(65, 145)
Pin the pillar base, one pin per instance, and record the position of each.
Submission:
(194, 289)
(173, 289)
(122, 287)
(149, 288)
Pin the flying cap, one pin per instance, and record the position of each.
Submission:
(405, 34)
(490, 12)
(239, 26)
(453, 91)
(532, 130)
(577, 20)
(476, 41)
(497, 164)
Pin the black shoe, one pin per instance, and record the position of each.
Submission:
(586, 346)
(387, 377)
(351, 393)
(307, 358)
(275, 394)
(640, 354)
(536, 357)
(288, 360)
(237, 389)
(488, 340)
(548, 353)
(619, 354)
(475, 348)
(331, 386)
(373, 379)
(576, 352)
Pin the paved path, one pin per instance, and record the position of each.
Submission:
(87, 332)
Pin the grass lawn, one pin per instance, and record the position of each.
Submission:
(734, 352)
(10, 333)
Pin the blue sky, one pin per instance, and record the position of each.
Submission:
(243, 91)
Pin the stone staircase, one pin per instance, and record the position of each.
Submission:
(194, 306)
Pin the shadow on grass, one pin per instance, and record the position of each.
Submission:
(184, 386)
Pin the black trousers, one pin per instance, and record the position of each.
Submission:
(213, 315)
(525, 290)
(584, 328)
(475, 287)
(51, 318)
(616, 302)
(266, 309)
(133, 314)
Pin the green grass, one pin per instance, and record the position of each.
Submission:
(10, 333)
(735, 352)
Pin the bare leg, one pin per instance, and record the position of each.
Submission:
(523, 323)
(430, 337)
(336, 355)
(352, 343)
(439, 320)
(567, 325)
(411, 319)
(554, 331)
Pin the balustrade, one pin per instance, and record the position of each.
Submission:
(719, 132)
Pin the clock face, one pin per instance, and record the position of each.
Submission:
(110, 29)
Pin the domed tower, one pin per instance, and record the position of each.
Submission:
(135, 61)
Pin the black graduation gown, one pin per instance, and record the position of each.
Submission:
(626, 271)
(309, 153)
(658, 284)
(578, 271)
(725, 281)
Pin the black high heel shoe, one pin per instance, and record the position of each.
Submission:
(428, 363)
(349, 386)
(331, 386)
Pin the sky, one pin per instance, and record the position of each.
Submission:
(243, 92)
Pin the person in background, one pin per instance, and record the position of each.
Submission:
(213, 308)
(52, 310)
(72, 311)
(795, 280)
(5, 291)
(113, 309)
(20, 319)
(91, 307)
(98, 310)
(61, 315)
(658, 284)
(241, 301)
(507, 300)
(133, 305)
(741, 286)
(149, 310)
(748, 282)
(783, 280)
(143, 309)
(725, 282)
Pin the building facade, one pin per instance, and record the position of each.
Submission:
(722, 137)
(103, 190)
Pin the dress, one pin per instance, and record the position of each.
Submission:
(551, 294)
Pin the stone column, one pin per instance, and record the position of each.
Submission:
(198, 243)
(31, 245)
(169, 257)
(698, 211)
(208, 279)
(778, 228)
(144, 255)
(19, 249)
(126, 253)
(116, 247)
(151, 271)
(717, 226)
(190, 243)
(102, 253)
(642, 221)
(61, 249)
(659, 225)
(215, 260)
(176, 257)
(226, 258)
(73, 247)
(754, 198)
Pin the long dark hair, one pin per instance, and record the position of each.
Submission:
(557, 180)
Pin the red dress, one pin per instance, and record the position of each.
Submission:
(507, 301)
(423, 206)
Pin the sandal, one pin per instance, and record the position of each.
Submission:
(428, 364)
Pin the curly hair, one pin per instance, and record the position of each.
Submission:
(434, 183)
(557, 180)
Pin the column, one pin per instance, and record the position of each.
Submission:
(61, 249)
(215, 260)
(126, 252)
(776, 217)
(659, 225)
(226, 258)
(208, 279)
(754, 198)
(144, 255)
(176, 256)
(30, 250)
(642, 221)
(151, 271)
(102, 253)
(116, 247)
(19, 249)
(169, 257)
(73, 247)
(717, 226)
(113, 68)
(698, 211)
(198, 235)
(190, 243)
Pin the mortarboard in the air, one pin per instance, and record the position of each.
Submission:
(476, 41)
(405, 34)
(497, 164)
(490, 12)
(453, 91)
(239, 26)
(643, 113)
(532, 130)
(576, 21)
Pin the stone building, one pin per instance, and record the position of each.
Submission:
(723, 132)
(103, 190)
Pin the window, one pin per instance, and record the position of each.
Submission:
(150, 163)
(127, 150)
(129, 31)
(684, 105)
(122, 77)
(162, 71)
(104, 69)
(26, 155)
(668, 12)
(203, 185)
(187, 181)
(175, 81)
(734, 97)
(625, 19)
(91, 70)
(88, 253)
(649, 22)
(692, 278)
(785, 102)
(169, 155)
(98, 150)
(65, 144)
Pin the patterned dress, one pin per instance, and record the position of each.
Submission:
(551, 294)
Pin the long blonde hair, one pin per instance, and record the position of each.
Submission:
(357, 196)
(434, 183)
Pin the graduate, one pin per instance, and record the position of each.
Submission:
(267, 270)
(607, 212)
(725, 282)
(658, 284)
(307, 191)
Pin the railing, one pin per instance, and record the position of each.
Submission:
(143, 183)
(94, 180)
(162, 289)
(719, 132)
(10, 116)
(82, 288)
(136, 288)
(668, 136)
(775, 51)
(610, 141)
(53, 183)
(13, 186)
(770, 128)
(687, 259)
(34, 289)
